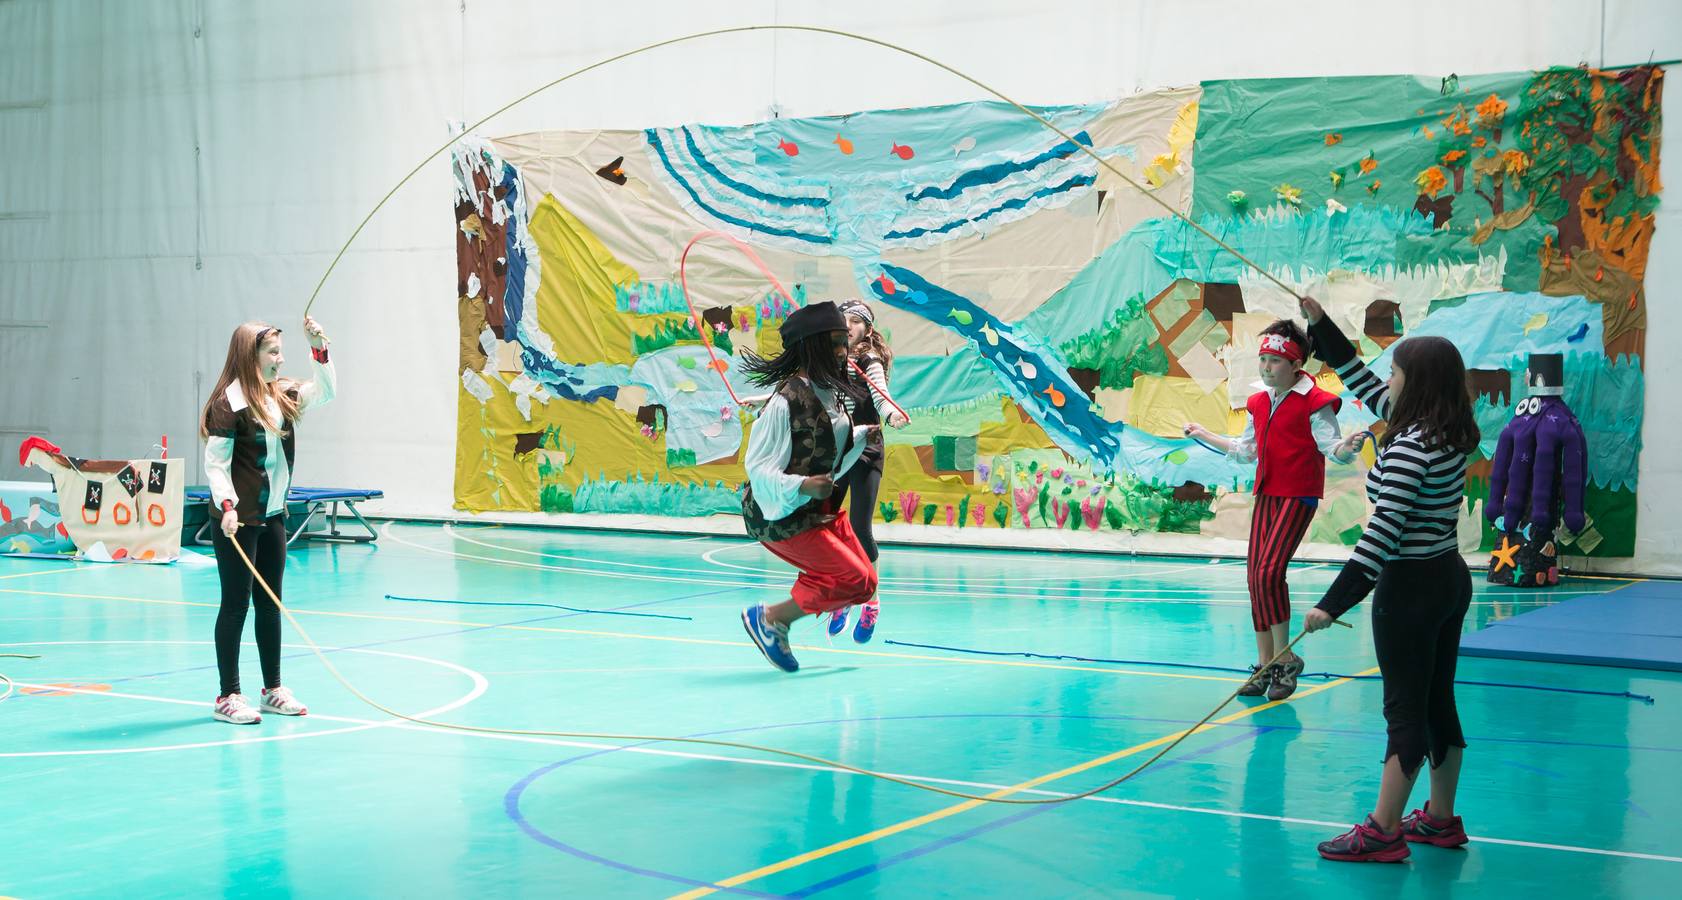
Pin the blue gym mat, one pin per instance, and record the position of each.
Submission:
(1635, 627)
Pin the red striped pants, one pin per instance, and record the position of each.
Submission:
(1277, 527)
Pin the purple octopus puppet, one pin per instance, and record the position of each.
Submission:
(1539, 470)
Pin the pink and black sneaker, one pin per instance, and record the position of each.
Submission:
(866, 627)
(1366, 843)
(1421, 827)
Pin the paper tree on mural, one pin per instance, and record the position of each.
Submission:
(1540, 467)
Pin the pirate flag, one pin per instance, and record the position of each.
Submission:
(91, 501)
(155, 477)
(129, 479)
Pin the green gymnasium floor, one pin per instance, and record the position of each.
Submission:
(115, 781)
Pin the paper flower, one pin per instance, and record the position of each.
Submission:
(1288, 193)
(1238, 200)
(1024, 502)
(1092, 512)
(1333, 207)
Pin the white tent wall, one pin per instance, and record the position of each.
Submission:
(173, 167)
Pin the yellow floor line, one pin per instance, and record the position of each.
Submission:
(908, 824)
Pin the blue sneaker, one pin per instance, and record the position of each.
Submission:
(838, 621)
(771, 639)
(866, 628)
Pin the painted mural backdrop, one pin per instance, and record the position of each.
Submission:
(1054, 328)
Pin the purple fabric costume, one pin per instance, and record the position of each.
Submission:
(1539, 467)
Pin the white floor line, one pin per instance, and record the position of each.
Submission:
(713, 757)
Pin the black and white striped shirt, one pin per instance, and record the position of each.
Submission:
(876, 386)
(1415, 491)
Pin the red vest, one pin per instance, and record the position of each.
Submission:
(1288, 462)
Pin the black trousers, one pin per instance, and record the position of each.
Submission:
(1419, 606)
(861, 483)
(266, 545)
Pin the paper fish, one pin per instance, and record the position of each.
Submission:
(961, 315)
(991, 335)
(788, 146)
(687, 362)
(903, 152)
(1027, 369)
(886, 285)
(686, 386)
(614, 171)
(963, 146)
(1055, 395)
(845, 145)
(718, 365)
(1536, 321)
(1333, 139)
(1581, 332)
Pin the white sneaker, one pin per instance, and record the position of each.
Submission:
(281, 702)
(235, 709)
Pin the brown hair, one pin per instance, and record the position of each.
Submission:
(874, 345)
(1435, 398)
(241, 366)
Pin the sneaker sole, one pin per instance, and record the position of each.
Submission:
(753, 635)
(233, 721)
(282, 712)
(1451, 843)
(1394, 855)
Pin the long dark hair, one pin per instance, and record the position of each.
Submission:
(813, 354)
(872, 344)
(1435, 397)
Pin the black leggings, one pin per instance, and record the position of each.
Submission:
(266, 545)
(1418, 609)
(862, 482)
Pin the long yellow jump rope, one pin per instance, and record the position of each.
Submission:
(735, 745)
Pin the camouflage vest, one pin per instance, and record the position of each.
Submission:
(814, 453)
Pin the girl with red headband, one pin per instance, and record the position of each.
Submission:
(1292, 429)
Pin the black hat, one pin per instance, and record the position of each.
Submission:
(815, 318)
(1545, 375)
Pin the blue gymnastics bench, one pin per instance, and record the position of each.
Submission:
(303, 505)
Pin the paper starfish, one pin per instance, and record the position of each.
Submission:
(1503, 555)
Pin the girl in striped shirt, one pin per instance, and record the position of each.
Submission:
(869, 353)
(1408, 553)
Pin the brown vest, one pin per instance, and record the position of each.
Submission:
(814, 453)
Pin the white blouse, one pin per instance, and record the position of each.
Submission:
(771, 444)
